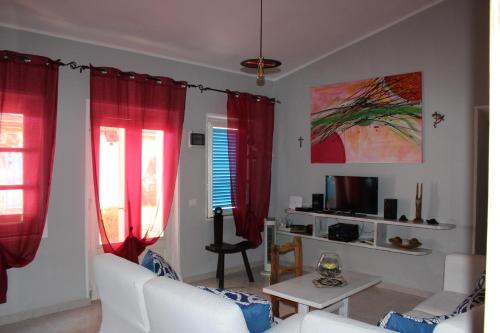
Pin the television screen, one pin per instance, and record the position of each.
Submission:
(352, 194)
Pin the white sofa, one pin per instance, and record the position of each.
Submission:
(135, 300)
(461, 273)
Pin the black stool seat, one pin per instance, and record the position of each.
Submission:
(225, 248)
(229, 248)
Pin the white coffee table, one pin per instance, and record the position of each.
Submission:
(302, 291)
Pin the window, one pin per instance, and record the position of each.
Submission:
(218, 178)
(112, 182)
(11, 167)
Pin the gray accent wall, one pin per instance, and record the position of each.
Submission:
(449, 44)
(57, 274)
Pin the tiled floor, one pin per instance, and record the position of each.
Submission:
(368, 306)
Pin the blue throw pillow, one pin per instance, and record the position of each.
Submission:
(407, 324)
(256, 310)
(155, 263)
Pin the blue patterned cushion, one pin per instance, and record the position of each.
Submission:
(475, 298)
(256, 310)
(155, 263)
(407, 324)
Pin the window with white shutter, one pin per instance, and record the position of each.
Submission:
(218, 178)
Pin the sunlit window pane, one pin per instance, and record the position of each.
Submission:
(11, 202)
(11, 168)
(152, 180)
(112, 182)
(11, 130)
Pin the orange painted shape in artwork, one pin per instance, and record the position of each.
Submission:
(378, 144)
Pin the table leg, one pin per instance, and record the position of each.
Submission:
(344, 307)
(302, 308)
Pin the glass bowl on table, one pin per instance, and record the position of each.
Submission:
(329, 265)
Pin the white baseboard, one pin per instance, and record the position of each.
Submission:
(46, 310)
(405, 290)
(256, 266)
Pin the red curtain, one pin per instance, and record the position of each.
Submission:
(133, 103)
(28, 107)
(250, 121)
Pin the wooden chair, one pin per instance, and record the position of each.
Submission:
(277, 270)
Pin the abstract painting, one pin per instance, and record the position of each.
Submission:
(368, 121)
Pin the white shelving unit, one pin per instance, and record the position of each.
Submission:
(380, 226)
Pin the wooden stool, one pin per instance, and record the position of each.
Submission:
(222, 249)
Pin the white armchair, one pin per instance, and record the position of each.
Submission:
(461, 272)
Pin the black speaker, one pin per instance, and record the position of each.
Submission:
(343, 232)
(317, 201)
(390, 209)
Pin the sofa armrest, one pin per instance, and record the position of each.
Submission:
(470, 322)
(288, 325)
(461, 271)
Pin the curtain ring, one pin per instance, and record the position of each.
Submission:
(6, 57)
(131, 77)
(27, 60)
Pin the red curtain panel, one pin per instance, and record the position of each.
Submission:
(136, 125)
(28, 107)
(250, 121)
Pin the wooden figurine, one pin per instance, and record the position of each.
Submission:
(418, 204)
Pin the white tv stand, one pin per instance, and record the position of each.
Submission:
(380, 225)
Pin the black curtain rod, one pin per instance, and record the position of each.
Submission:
(75, 66)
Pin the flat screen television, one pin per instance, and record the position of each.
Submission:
(354, 195)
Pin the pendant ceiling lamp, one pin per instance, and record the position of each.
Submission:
(260, 63)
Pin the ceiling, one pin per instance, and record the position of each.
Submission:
(213, 33)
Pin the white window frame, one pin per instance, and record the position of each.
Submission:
(213, 120)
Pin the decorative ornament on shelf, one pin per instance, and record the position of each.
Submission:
(407, 244)
(418, 204)
(260, 63)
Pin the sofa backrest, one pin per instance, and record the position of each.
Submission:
(120, 283)
(325, 322)
(174, 306)
(461, 272)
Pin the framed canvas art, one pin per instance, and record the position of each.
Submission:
(376, 120)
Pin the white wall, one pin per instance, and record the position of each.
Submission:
(57, 275)
(448, 43)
